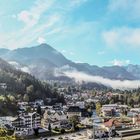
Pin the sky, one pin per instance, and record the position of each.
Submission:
(98, 32)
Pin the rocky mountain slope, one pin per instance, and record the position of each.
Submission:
(45, 62)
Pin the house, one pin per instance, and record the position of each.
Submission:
(92, 100)
(57, 115)
(84, 95)
(109, 110)
(86, 121)
(65, 124)
(7, 120)
(53, 117)
(98, 133)
(57, 107)
(80, 104)
(110, 106)
(60, 115)
(73, 111)
(27, 122)
(39, 102)
(75, 96)
(136, 110)
(118, 123)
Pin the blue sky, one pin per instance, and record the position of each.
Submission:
(99, 32)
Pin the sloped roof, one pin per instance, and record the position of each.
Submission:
(74, 109)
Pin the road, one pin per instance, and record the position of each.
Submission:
(82, 135)
(72, 136)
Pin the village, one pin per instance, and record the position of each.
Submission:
(82, 112)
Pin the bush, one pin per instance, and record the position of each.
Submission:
(63, 131)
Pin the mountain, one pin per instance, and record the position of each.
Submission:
(43, 51)
(110, 72)
(40, 60)
(4, 51)
(134, 70)
(21, 86)
(119, 73)
(46, 63)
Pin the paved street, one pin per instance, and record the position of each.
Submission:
(82, 135)
(73, 136)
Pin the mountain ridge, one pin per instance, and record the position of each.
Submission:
(43, 60)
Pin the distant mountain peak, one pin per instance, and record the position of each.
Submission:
(43, 59)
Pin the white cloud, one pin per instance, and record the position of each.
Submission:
(19, 67)
(78, 62)
(119, 5)
(123, 36)
(110, 38)
(116, 84)
(32, 29)
(133, 38)
(67, 52)
(27, 35)
(41, 40)
(76, 31)
(128, 9)
(25, 69)
(28, 18)
(14, 63)
(116, 62)
(31, 17)
(63, 51)
(71, 53)
(44, 18)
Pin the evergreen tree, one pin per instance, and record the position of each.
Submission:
(39, 111)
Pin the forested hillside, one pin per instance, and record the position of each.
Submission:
(21, 86)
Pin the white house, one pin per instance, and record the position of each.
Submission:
(98, 133)
(53, 117)
(80, 104)
(27, 122)
(108, 109)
